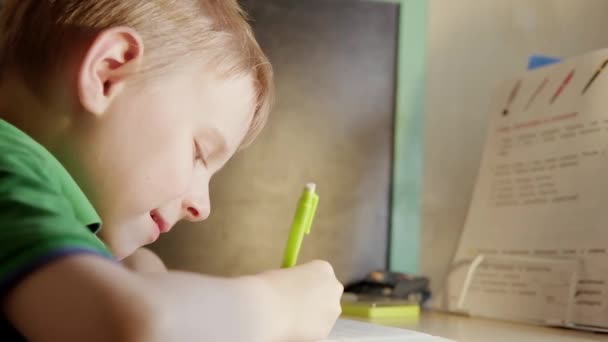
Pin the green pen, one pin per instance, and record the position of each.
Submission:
(302, 223)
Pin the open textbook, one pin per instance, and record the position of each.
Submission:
(535, 243)
(347, 330)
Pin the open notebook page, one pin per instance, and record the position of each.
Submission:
(348, 330)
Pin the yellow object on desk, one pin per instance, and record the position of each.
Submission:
(381, 309)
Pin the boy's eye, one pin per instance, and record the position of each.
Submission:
(198, 154)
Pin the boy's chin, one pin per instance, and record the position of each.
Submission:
(123, 240)
(120, 248)
(123, 250)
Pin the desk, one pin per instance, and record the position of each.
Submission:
(467, 329)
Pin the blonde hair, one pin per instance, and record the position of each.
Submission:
(37, 35)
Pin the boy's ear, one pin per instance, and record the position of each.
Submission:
(114, 56)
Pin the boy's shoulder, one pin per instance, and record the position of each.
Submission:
(29, 171)
(17, 149)
(43, 213)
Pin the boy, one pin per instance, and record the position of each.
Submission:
(141, 101)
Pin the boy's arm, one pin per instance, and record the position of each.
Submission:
(87, 298)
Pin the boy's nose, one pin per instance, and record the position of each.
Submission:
(196, 210)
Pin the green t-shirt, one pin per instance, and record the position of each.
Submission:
(44, 215)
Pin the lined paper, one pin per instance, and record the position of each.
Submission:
(348, 330)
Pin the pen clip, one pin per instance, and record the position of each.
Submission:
(313, 210)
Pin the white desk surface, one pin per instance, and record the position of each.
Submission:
(467, 329)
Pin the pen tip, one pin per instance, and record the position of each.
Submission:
(312, 187)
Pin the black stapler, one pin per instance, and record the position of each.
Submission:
(385, 284)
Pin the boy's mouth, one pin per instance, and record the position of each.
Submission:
(162, 225)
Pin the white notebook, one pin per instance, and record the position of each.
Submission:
(348, 330)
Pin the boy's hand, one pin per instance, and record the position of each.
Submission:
(309, 297)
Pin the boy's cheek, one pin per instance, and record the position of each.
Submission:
(155, 191)
(169, 177)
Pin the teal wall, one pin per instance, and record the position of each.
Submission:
(406, 222)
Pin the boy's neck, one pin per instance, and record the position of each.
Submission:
(40, 119)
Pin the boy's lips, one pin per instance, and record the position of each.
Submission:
(162, 225)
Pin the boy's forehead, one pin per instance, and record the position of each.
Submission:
(229, 93)
(227, 105)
